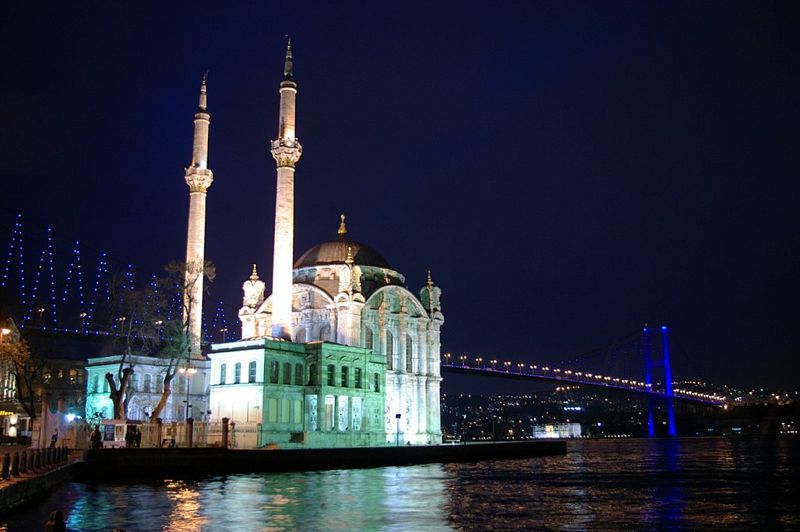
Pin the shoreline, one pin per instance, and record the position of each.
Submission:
(109, 465)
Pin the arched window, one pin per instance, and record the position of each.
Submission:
(325, 333)
(312, 375)
(377, 382)
(345, 376)
(368, 338)
(222, 373)
(389, 350)
(287, 372)
(148, 383)
(409, 354)
(95, 383)
(134, 382)
(251, 371)
(298, 374)
(331, 375)
(357, 375)
(159, 383)
(273, 371)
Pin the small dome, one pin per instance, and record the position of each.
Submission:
(335, 252)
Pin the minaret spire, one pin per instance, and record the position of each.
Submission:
(199, 177)
(286, 151)
(287, 64)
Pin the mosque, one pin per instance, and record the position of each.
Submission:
(341, 353)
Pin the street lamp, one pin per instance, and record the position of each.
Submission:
(41, 312)
(223, 331)
(83, 321)
(188, 371)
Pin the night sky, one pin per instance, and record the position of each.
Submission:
(568, 171)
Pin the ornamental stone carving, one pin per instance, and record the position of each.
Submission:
(253, 290)
(199, 179)
(286, 152)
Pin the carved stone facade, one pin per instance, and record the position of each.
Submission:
(338, 297)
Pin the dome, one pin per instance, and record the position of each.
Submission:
(335, 252)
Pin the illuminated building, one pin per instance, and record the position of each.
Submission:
(341, 353)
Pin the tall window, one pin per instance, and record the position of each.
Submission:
(95, 383)
(287, 372)
(273, 371)
(357, 376)
(368, 338)
(331, 375)
(312, 375)
(377, 382)
(325, 333)
(409, 353)
(237, 373)
(298, 374)
(251, 372)
(389, 350)
(222, 373)
(148, 383)
(345, 376)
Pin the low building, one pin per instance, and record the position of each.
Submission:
(189, 397)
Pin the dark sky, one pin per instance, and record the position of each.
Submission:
(567, 170)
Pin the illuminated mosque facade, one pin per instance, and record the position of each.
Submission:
(341, 353)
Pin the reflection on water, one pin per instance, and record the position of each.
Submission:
(669, 483)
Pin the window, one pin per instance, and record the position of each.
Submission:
(389, 350)
(409, 354)
(377, 382)
(251, 372)
(345, 376)
(159, 384)
(95, 383)
(148, 383)
(312, 375)
(222, 371)
(237, 373)
(368, 338)
(298, 374)
(134, 382)
(287, 372)
(331, 375)
(273, 371)
(358, 377)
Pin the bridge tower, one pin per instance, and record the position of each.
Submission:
(198, 177)
(286, 151)
(649, 364)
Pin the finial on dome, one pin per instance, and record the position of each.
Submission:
(254, 275)
(287, 65)
(430, 280)
(342, 227)
(203, 104)
(349, 259)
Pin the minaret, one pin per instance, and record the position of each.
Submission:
(199, 178)
(286, 151)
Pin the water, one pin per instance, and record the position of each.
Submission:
(599, 484)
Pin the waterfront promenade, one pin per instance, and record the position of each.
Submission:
(27, 474)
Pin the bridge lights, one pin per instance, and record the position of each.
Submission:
(447, 358)
(463, 359)
(507, 364)
(479, 361)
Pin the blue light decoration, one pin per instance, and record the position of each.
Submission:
(73, 280)
(102, 269)
(15, 250)
(43, 255)
(668, 382)
(219, 323)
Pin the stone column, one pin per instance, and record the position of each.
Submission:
(198, 177)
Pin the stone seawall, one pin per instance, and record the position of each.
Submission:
(112, 465)
(35, 488)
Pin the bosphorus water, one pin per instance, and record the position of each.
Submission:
(690, 483)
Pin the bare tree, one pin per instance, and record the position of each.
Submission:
(26, 370)
(175, 346)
